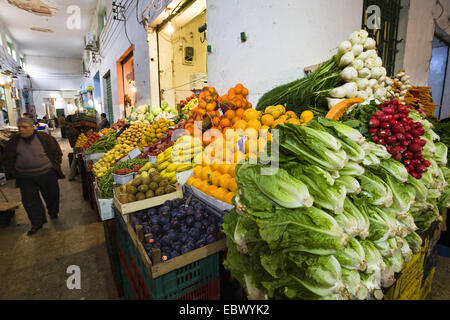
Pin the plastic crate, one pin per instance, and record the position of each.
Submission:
(210, 291)
(111, 246)
(170, 286)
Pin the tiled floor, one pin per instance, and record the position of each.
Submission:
(36, 267)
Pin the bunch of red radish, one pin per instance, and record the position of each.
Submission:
(391, 127)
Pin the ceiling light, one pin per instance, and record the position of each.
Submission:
(169, 28)
(8, 79)
(2, 80)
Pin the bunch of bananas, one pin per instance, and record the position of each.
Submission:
(183, 155)
(81, 140)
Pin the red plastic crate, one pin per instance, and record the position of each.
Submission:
(210, 291)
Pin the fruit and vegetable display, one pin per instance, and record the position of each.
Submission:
(156, 130)
(131, 164)
(81, 140)
(106, 185)
(337, 220)
(148, 184)
(119, 125)
(355, 71)
(177, 227)
(207, 109)
(179, 157)
(400, 85)
(421, 99)
(105, 143)
(163, 143)
(167, 112)
(93, 137)
(189, 104)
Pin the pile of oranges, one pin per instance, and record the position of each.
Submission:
(275, 115)
(235, 98)
(217, 181)
(207, 109)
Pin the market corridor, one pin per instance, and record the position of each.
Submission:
(36, 267)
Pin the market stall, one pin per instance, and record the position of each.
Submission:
(334, 187)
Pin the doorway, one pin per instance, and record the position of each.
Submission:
(438, 77)
(126, 81)
(182, 52)
(108, 97)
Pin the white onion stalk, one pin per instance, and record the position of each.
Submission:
(401, 74)
(349, 74)
(351, 89)
(364, 34)
(362, 94)
(389, 81)
(363, 56)
(357, 49)
(362, 83)
(370, 44)
(357, 64)
(333, 102)
(344, 47)
(380, 94)
(373, 83)
(372, 53)
(376, 73)
(378, 62)
(370, 63)
(346, 59)
(364, 73)
(383, 71)
(356, 38)
(369, 91)
(382, 80)
(403, 93)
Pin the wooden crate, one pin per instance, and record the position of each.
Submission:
(127, 208)
(158, 269)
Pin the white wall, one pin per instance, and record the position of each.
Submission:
(50, 73)
(283, 38)
(113, 44)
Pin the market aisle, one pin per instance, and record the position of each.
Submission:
(35, 267)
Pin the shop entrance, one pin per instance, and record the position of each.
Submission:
(182, 51)
(125, 82)
(438, 77)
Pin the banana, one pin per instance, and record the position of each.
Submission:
(174, 179)
(184, 167)
(172, 167)
(163, 165)
(170, 175)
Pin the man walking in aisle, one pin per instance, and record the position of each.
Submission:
(104, 123)
(34, 158)
(62, 124)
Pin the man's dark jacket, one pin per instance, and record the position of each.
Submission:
(51, 148)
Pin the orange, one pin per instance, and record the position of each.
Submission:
(240, 112)
(225, 180)
(204, 185)
(221, 193)
(251, 114)
(283, 118)
(255, 124)
(241, 124)
(206, 171)
(197, 184)
(225, 122)
(277, 122)
(264, 128)
(233, 185)
(214, 178)
(251, 133)
(232, 170)
(291, 114)
(224, 168)
(249, 105)
(215, 167)
(202, 104)
(294, 121)
(235, 119)
(238, 88)
(230, 114)
(267, 120)
(216, 121)
(244, 92)
(231, 92)
(198, 171)
(190, 181)
(229, 197)
(211, 106)
(211, 191)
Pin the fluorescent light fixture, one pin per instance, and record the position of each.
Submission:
(169, 28)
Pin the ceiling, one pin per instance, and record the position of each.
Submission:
(48, 19)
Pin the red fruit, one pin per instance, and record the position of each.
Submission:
(374, 122)
(421, 168)
(419, 176)
(373, 130)
(414, 147)
(382, 142)
(392, 122)
(405, 143)
(407, 162)
(415, 133)
(426, 163)
(414, 174)
(391, 140)
(414, 162)
(397, 156)
(408, 136)
(384, 125)
(378, 114)
(389, 110)
(418, 156)
(407, 155)
(408, 169)
(421, 131)
(402, 109)
(399, 136)
(398, 128)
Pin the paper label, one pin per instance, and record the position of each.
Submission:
(133, 154)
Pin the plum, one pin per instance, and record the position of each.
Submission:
(154, 220)
(185, 249)
(194, 233)
(189, 211)
(174, 254)
(172, 235)
(151, 212)
(147, 247)
(175, 224)
(183, 237)
(165, 241)
(190, 221)
(201, 243)
(198, 225)
(156, 245)
(163, 220)
(175, 213)
(212, 229)
(156, 229)
(198, 216)
(211, 220)
(163, 209)
(168, 204)
(166, 228)
(210, 239)
(184, 229)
